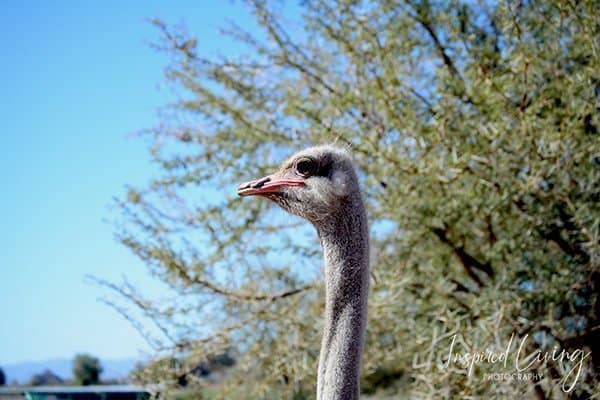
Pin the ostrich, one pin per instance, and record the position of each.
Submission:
(320, 185)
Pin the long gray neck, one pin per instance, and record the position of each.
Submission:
(345, 242)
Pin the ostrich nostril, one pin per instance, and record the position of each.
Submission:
(244, 185)
(260, 183)
(257, 184)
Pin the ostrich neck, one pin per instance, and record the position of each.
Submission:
(345, 244)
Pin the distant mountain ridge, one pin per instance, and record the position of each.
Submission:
(22, 372)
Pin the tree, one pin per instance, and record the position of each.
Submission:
(45, 378)
(86, 370)
(211, 369)
(475, 126)
(2, 377)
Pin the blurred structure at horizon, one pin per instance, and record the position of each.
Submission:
(96, 392)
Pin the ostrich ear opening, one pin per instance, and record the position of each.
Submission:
(268, 184)
(340, 183)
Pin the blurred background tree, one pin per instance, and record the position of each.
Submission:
(86, 370)
(475, 127)
(2, 377)
(46, 378)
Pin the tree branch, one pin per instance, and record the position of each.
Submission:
(468, 262)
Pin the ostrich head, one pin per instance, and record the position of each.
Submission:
(317, 184)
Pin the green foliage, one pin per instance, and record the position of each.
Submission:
(86, 370)
(188, 395)
(475, 128)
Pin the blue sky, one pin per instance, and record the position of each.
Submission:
(76, 80)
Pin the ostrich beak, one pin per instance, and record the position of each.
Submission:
(268, 184)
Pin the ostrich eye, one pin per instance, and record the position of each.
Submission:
(306, 167)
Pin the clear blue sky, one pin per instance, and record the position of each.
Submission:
(75, 81)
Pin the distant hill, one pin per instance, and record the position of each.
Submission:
(22, 372)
